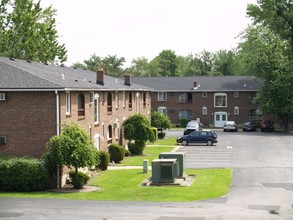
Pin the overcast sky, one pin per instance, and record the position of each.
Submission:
(136, 28)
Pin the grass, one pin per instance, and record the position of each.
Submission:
(125, 185)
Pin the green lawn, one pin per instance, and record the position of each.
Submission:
(125, 185)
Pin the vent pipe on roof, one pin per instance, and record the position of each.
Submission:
(127, 80)
(100, 76)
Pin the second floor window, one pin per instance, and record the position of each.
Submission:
(96, 109)
(109, 102)
(130, 100)
(68, 103)
(162, 96)
(81, 110)
(144, 99)
(220, 100)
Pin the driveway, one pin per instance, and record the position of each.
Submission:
(262, 187)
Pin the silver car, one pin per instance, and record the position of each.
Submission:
(230, 126)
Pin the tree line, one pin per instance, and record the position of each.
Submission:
(27, 31)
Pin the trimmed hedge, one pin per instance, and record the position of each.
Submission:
(136, 148)
(79, 182)
(23, 175)
(117, 153)
(104, 160)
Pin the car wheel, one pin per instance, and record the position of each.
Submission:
(209, 142)
(184, 142)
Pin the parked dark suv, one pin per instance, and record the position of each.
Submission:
(208, 137)
(267, 125)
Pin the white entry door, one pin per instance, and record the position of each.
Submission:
(220, 119)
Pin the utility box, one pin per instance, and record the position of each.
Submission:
(180, 156)
(164, 170)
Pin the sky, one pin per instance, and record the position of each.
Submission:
(144, 28)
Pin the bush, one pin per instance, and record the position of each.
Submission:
(104, 160)
(117, 152)
(155, 136)
(183, 123)
(161, 135)
(127, 153)
(23, 174)
(135, 148)
(80, 181)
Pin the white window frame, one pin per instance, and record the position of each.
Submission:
(224, 95)
(91, 94)
(96, 108)
(97, 141)
(236, 110)
(236, 94)
(162, 96)
(162, 110)
(204, 94)
(2, 96)
(116, 100)
(124, 99)
(68, 102)
(204, 110)
(182, 97)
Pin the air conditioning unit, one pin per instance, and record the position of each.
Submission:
(2, 96)
(116, 125)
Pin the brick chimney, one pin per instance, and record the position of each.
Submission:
(195, 84)
(100, 76)
(127, 79)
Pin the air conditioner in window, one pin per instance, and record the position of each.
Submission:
(116, 125)
(2, 96)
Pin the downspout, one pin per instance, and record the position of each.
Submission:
(58, 131)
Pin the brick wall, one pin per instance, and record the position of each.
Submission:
(28, 120)
(198, 102)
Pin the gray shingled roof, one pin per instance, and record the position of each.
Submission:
(20, 74)
(205, 83)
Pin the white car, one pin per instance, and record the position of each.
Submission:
(230, 126)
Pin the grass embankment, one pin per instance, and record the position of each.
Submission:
(126, 185)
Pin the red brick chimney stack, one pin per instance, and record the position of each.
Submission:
(127, 79)
(100, 76)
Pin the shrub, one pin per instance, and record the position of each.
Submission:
(127, 153)
(80, 181)
(104, 160)
(23, 174)
(155, 136)
(161, 135)
(136, 148)
(183, 123)
(117, 152)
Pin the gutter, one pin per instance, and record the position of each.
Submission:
(58, 131)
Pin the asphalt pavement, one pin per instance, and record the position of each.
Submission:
(262, 186)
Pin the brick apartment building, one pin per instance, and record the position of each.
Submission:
(35, 99)
(212, 100)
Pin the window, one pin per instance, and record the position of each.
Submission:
(130, 100)
(116, 129)
(137, 103)
(220, 100)
(2, 140)
(163, 110)
(2, 96)
(236, 94)
(204, 110)
(109, 102)
(91, 97)
(185, 114)
(252, 96)
(96, 109)
(117, 100)
(185, 97)
(144, 99)
(68, 103)
(162, 96)
(204, 94)
(97, 141)
(109, 137)
(236, 110)
(123, 99)
(81, 110)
